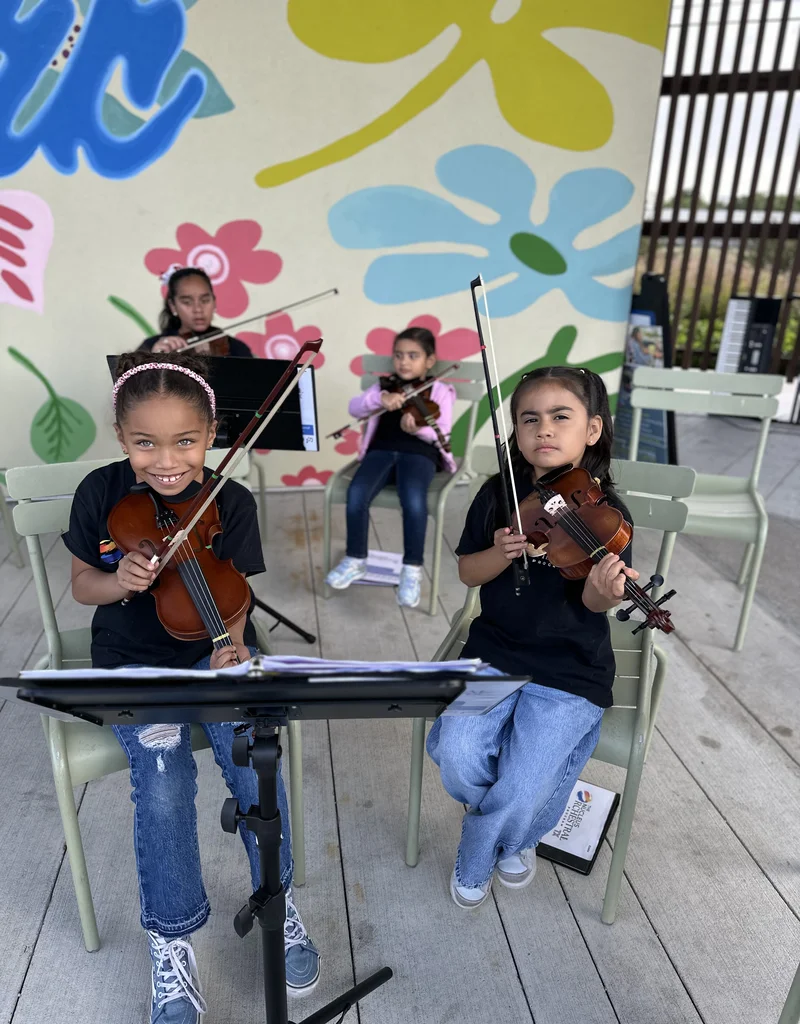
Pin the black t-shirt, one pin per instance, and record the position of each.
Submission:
(547, 632)
(390, 437)
(132, 634)
(236, 348)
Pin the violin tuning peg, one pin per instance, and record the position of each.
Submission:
(657, 580)
(667, 596)
(623, 614)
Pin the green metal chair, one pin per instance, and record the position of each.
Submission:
(81, 752)
(791, 1008)
(469, 386)
(654, 496)
(721, 506)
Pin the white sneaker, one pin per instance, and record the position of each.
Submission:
(466, 898)
(518, 870)
(346, 572)
(410, 588)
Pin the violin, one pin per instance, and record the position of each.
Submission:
(424, 411)
(198, 595)
(568, 512)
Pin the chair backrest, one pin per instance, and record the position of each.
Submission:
(630, 715)
(44, 499)
(468, 381)
(705, 391)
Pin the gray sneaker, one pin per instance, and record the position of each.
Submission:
(517, 870)
(466, 898)
(175, 997)
(302, 956)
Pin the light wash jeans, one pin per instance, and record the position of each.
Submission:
(515, 768)
(163, 776)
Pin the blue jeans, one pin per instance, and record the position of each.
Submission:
(515, 768)
(412, 474)
(163, 776)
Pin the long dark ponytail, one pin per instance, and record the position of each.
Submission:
(590, 389)
(169, 322)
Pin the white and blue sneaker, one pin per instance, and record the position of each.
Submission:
(410, 588)
(302, 956)
(175, 995)
(468, 898)
(346, 572)
(518, 869)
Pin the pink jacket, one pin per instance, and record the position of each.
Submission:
(369, 401)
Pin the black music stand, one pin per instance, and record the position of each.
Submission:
(265, 701)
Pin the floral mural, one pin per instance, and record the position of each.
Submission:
(229, 258)
(451, 346)
(531, 259)
(26, 234)
(281, 340)
(307, 477)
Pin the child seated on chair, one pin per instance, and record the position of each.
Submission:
(394, 449)
(165, 422)
(515, 766)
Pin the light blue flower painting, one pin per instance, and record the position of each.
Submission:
(536, 258)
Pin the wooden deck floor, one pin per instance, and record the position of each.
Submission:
(708, 925)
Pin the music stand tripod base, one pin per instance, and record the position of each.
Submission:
(267, 904)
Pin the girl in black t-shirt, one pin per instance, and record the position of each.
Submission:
(515, 767)
(165, 421)
(189, 308)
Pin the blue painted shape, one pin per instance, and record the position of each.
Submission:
(215, 100)
(396, 216)
(145, 38)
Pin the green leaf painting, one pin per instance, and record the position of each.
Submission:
(62, 430)
(557, 354)
(134, 314)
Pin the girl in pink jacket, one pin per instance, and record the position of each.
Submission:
(395, 450)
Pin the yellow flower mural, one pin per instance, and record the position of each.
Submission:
(542, 92)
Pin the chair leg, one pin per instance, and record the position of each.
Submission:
(72, 833)
(791, 1010)
(436, 565)
(13, 536)
(752, 583)
(627, 808)
(326, 544)
(415, 791)
(296, 806)
(747, 561)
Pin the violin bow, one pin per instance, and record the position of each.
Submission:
(521, 577)
(244, 443)
(412, 394)
(198, 339)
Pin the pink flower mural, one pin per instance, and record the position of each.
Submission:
(26, 234)
(229, 258)
(281, 340)
(349, 443)
(308, 477)
(453, 345)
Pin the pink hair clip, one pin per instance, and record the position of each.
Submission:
(167, 366)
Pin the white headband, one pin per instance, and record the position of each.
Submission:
(167, 366)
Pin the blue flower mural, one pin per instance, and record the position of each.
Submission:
(536, 258)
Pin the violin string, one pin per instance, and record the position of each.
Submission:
(499, 404)
(201, 595)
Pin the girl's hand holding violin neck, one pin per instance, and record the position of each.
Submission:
(409, 424)
(392, 400)
(169, 344)
(510, 545)
(225, 657)
(135, 572)
(607, 579)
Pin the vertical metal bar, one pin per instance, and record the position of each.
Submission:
(773, 78)
(691, 224)
(791, 369)
(677, 78)
(787, 218)
(726, 231)
(733, 84)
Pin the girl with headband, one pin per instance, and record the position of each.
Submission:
(165, 420)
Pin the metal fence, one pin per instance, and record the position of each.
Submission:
(722, 216)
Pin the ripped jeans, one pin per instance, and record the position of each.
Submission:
(163, 776)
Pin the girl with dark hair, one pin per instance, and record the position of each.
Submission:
(515, 767)
(395, 448)
(189, 308)
(165, 422)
